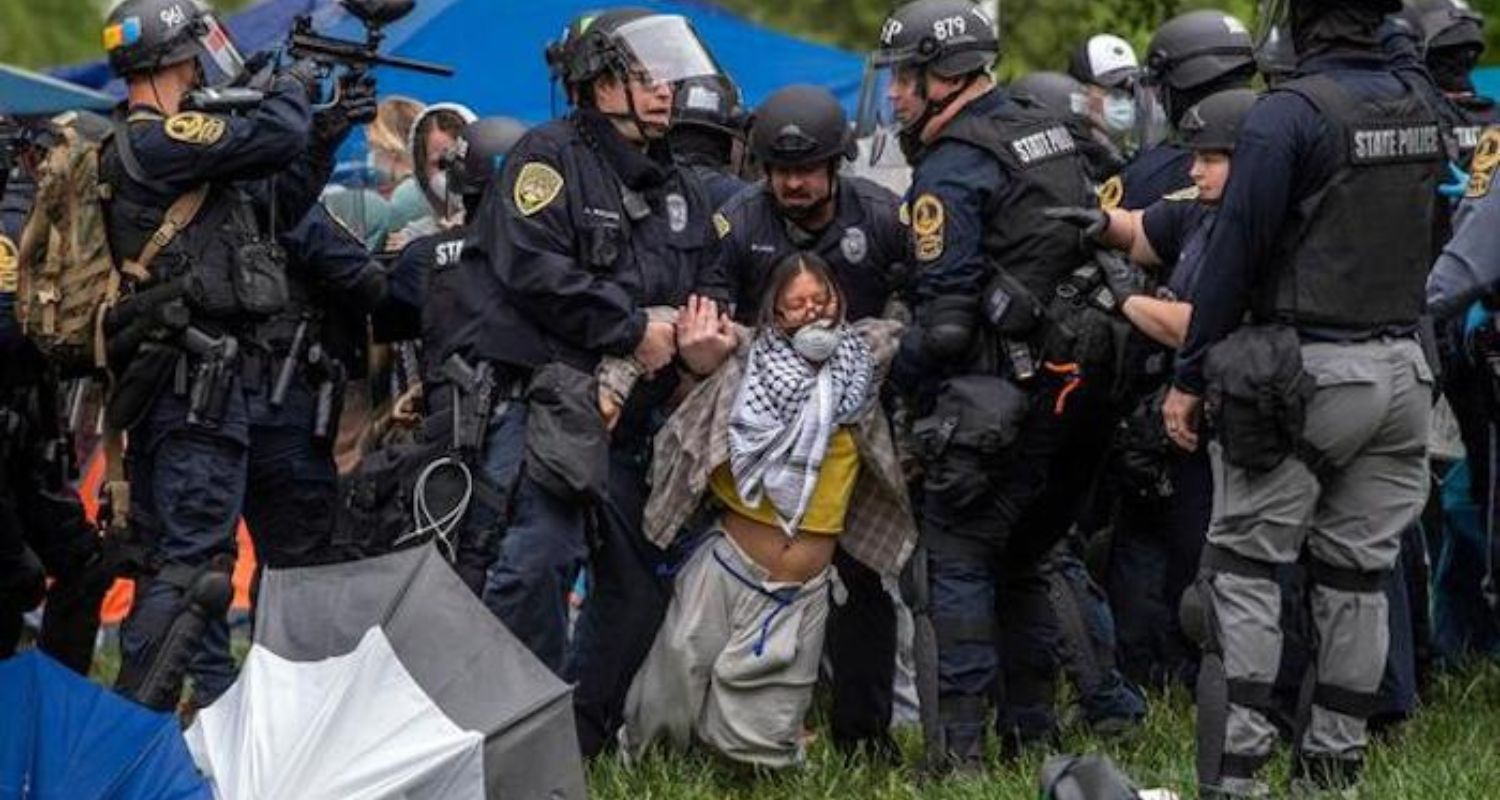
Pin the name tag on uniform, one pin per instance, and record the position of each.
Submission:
(1387, 145)
(1042, 146)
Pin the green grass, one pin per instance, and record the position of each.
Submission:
(1450, 751)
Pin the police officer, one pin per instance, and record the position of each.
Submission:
(429, 302)
(589, 226)
(43, 530)
(1189, 58)
(801, 137)
(1324, 237)
(1453, 42)
(708, 134)
(1002, 404)
(191, 194)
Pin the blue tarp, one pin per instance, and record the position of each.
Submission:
(65, 738)
(1487, 81)
(27, 94)
(496, 46)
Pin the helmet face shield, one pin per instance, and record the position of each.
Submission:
(220, 60)
(874, 117)
(664, 49)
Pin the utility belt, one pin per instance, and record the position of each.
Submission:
(1257, 397)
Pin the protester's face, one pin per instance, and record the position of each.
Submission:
(800, 190)
(805, 299)
(436, 143)
(1210, 172)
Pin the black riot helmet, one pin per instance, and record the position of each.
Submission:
(146, 36)
(800, 125)
(475, 157)
(949, 38)
(625, 41)
(1314, 25)
(711, 102)
(1196, 54)
(1214, 123)
(1060, 94)
(1451, 23)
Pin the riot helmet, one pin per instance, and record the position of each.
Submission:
(800, 125)
(141, 37)
(1214, 123)
(1197, 54)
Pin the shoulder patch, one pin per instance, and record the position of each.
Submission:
(537, 185)
(10, 275)
(194, 127)
(927, 220)
(721, 224)
(1486, 160)
(1111, 193)
(1181, 195)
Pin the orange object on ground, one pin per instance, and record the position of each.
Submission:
(117, 601)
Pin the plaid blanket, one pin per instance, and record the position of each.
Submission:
(879, 530)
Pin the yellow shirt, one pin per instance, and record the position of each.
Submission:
(830, 498)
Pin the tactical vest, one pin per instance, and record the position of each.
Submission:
(1045, 169)
(204, 252)
(1353, 256)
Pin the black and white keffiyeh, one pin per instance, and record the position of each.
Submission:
(785, 413)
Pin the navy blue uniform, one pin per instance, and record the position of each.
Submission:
(580, 236)
(1153, 174)
(865, 244)
(188, 481)
(719, 184)
(975, 201)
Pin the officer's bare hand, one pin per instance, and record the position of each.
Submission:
(1180, 412)
(657, 347)
(705, 337)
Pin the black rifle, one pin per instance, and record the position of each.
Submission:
(359, 57)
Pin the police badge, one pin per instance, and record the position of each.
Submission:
(854, 245)
(677, 212)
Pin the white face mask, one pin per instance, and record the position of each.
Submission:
(817, 341)
(1119, 113)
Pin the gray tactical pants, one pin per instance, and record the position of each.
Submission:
(1369, 421)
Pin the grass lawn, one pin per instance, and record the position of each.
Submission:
(1450, 751)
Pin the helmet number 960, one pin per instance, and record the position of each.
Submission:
(174, 16)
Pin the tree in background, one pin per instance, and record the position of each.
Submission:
(44, 33)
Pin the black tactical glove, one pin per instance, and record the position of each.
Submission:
(1092, 221)
(357, 105)
(306, 72)
(1125, 280)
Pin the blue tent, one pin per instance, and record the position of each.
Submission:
(1487, 81)
(65, 738)
(496, 46)
(24, 93)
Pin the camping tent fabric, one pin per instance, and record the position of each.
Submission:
(27, 94)
(398, 646)
(65, 738)
(1487, 81)
(496, 47)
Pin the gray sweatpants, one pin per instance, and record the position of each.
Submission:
(1369, 419)
(734, 663)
